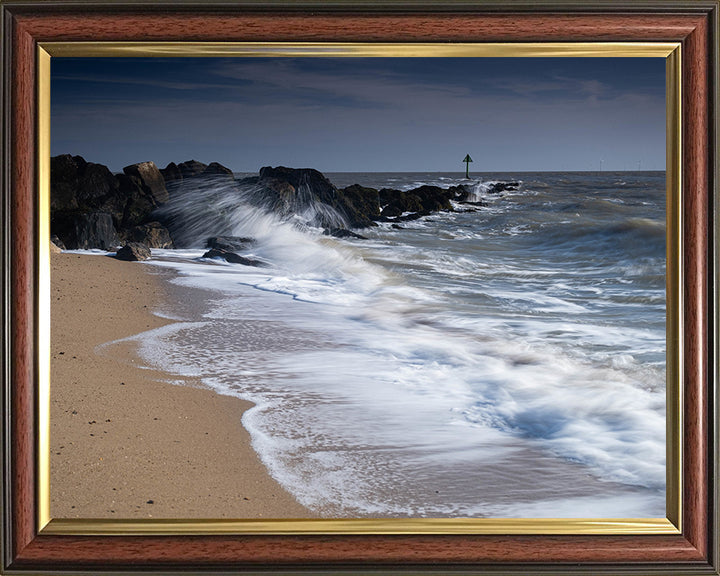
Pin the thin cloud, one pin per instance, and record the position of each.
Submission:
(366, 114)
(101, 79)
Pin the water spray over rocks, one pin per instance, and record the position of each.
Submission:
(184, 204)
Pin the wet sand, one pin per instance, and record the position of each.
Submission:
(124, 442)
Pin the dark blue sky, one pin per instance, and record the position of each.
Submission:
(363, 114)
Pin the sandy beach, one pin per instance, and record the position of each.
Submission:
(125, 443)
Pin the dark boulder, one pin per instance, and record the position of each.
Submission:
(96, 186)
(150, 180)
(96, 230)
(80, 186)
(65, 173)
(171, 173)
(232, 257)
(432, 198)
(295, 191)
(306, 191)
(133, 252)
(138, 203)
(362, 205)
(80, 231)
(296, 188)
(84, 195)
(298, 177)
(342, 233)
(460, 193)
(85, 207)
(413, 204)
(229, 243)
(287, 191)
(391, 211)
(216, 169)
(152, 234)
(191, 168)
(278, 196)
(59, 243)
(248, 181)
(395, 202)
(131, 199)
(497, 187)
(413, 216)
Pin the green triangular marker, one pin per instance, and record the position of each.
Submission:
(467, 161)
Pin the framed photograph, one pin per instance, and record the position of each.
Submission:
(430, 288)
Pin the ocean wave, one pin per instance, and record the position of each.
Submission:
(457, 366)
(632, 237)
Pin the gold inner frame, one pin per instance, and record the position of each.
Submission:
(669, 525)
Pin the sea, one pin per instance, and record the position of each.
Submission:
(504, 360)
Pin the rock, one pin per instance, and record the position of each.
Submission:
(84, 195)
(83, 188)
(150, 180)
(186, 177)
(460, 193)
(139, 204)
(362, 205)
(80, 186)
(304, 190)
(391, 211)
(191, 168)
(59, 243)
(64, 176)
(342, 233)
(171, 173)
(85, 231)
(278, 196)
(295, 190)
(216, 169)
(432, 198)
(98, 190)
(497, 187)
(95, 230)
(394, 203)
(297, 177)
(152, 234)
(248, 181)
(133, 252)
(413, 203)
(232, 257)
(54, 248)
(301, 191)
(131, 198)
(228, 243)
(413, 216)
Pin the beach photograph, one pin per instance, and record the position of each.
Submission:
(331, 287)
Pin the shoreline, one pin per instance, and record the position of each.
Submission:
(409, 376)
(125, 442)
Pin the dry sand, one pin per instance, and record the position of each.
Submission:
(125, 444)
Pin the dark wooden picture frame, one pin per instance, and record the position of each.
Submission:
(27, 24)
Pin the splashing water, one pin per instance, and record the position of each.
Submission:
(478, 363)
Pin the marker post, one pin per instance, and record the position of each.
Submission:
(467, 161)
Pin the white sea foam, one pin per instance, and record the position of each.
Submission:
(430, 372)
